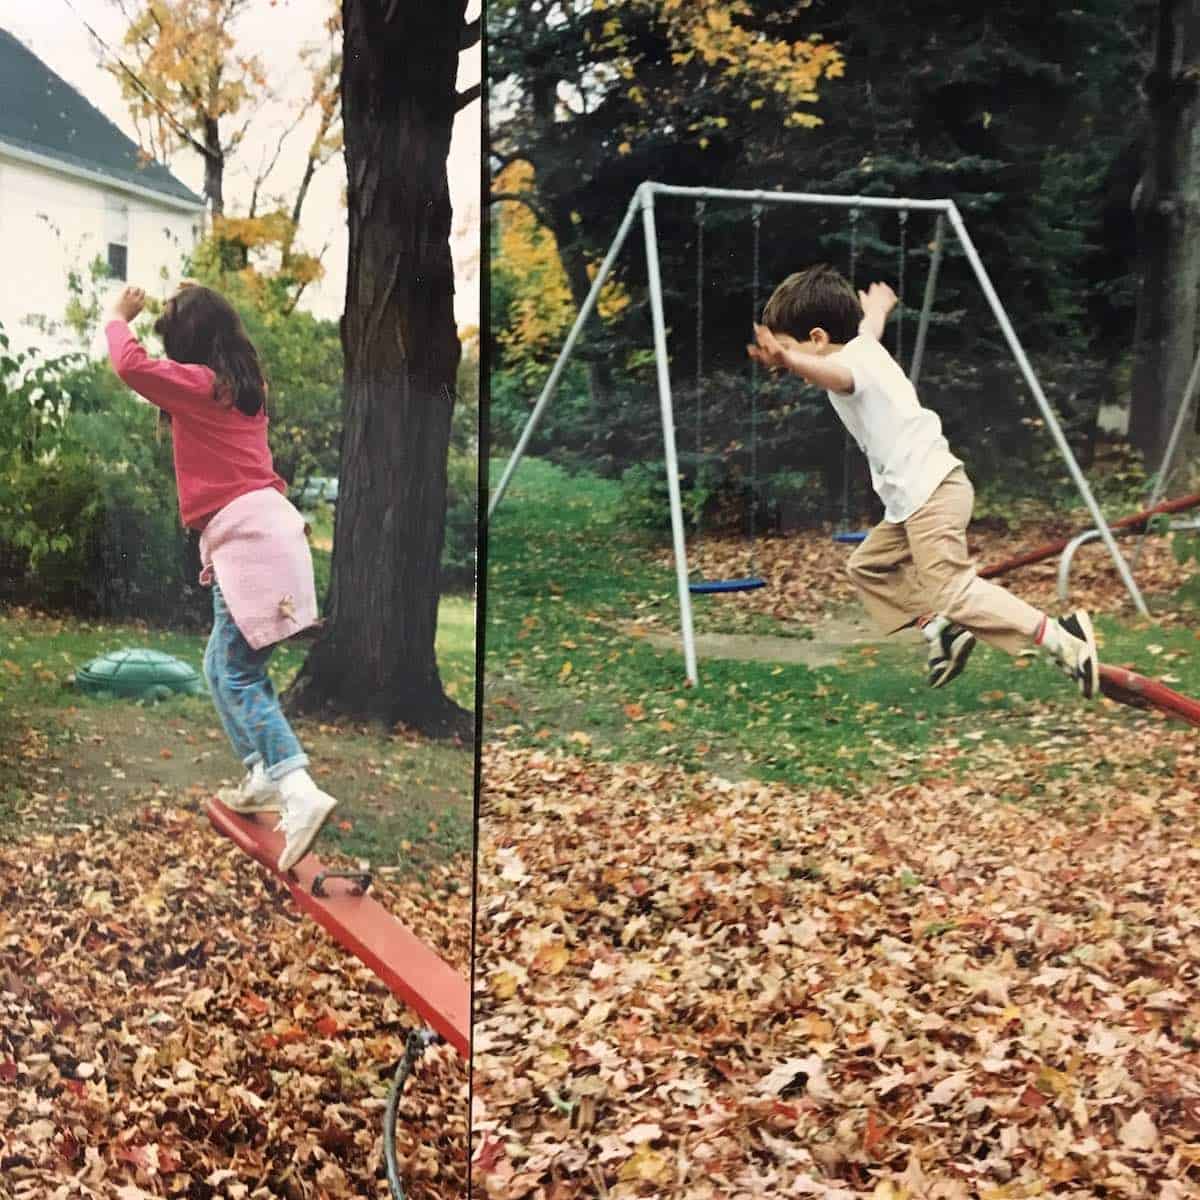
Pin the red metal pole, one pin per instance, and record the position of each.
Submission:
(1026, 557)
(1128, 687)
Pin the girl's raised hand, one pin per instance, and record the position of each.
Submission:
(129, 303)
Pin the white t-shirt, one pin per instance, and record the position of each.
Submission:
(903, 442)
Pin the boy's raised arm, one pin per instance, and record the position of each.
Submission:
(818, 371)
(877, 302)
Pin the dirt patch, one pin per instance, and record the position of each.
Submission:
(833, 637)
(399, 797)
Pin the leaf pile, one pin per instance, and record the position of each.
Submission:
(806, 572)
(981, 984)
(171, 1026)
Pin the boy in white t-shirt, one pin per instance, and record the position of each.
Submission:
(912, 568)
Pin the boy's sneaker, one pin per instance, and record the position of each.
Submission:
(949, 648)
(306, 808)
(256, 793)
(1072, 645)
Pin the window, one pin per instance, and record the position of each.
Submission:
(118, 260)
(116, 222)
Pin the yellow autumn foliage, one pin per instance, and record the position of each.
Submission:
(543, 310)
(738, 56)
(188, 66)
(255, 233)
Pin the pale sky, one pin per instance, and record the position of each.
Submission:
(56, 34)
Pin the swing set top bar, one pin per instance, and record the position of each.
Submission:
(821, 198)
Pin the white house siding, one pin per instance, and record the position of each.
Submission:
(52, 222)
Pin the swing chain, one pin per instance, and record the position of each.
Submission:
(756, 212)
(854, 215)
(699, 515)
(699, 331)
(847, 440)
(900, 286)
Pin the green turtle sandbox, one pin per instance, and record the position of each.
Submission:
(138, 675)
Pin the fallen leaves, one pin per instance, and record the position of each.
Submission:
(170, 1026)
(806, 571)
(905, 991)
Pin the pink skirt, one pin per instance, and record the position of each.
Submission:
(256, 548)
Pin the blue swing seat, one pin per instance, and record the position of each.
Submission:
(851, 538)
(709, 586)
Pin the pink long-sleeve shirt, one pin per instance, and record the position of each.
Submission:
(220, 453)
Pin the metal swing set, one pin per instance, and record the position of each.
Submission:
(843, 533)
(947, 215)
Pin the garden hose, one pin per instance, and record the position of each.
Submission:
(418, 1041)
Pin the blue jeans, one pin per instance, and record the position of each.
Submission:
(245, 697)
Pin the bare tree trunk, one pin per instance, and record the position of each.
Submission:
(575, 266)
(1168, 214)
(310, 169)
(376, 659)
(570, 252)
(214, 168)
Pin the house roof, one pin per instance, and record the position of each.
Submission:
(44, 117)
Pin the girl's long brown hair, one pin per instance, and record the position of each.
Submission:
(200, 326)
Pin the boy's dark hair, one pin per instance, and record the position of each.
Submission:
(200, 326)
(816, 298)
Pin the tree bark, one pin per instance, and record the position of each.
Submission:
(575, 267)
(554, 186)
(376, 659)
(1168, 218)
(214, 168)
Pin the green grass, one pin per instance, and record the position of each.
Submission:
(39, 654)
(565, 572)
(406, 801)
(456, 647)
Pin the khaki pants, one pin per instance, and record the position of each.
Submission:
(903, 571)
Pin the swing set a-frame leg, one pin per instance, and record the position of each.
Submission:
(1163, 480)
(668, 423)
(1048, 414)
(560, 363)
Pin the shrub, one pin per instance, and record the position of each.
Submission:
(87, 497)
(458, 553)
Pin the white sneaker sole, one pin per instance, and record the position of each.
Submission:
(1090, 688)
(231, 798)
(300, 847)
(952, 667)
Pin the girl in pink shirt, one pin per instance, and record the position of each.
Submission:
(252, 544)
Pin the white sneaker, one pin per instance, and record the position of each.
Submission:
(950, 646)
(256, 793)
(306, 809)
(1073, 648)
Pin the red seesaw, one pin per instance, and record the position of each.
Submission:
(1120, 683)
(1049, 549)
(1128, 687)
(409, 968)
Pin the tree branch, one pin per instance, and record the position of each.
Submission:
(290, 308)
(472, 34)
(469, 96)
(265, 172)
(507, 158)
(116, 59)
(193, 98)
(522, 198)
